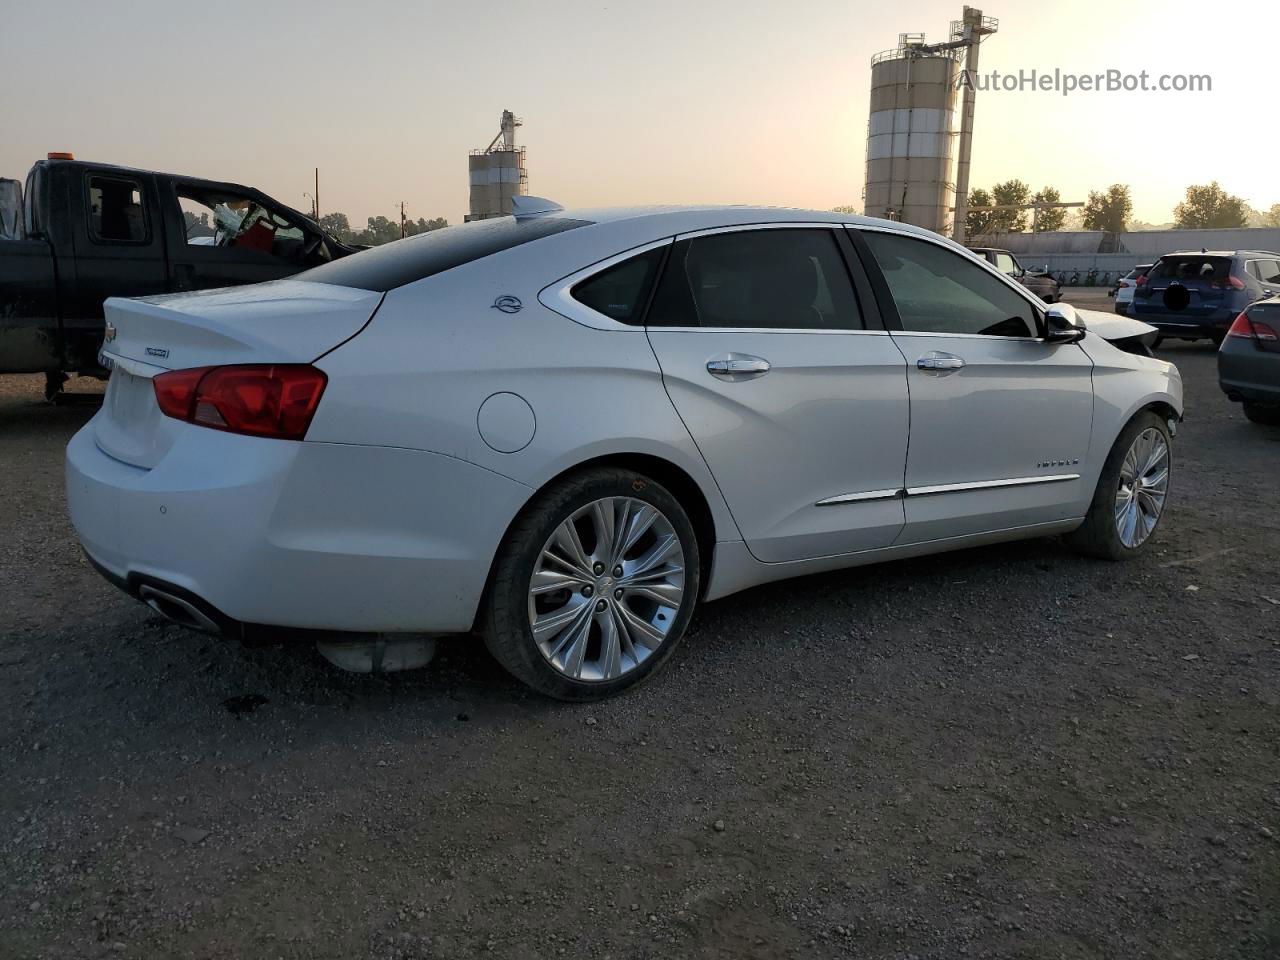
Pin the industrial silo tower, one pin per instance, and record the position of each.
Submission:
(912, 163)
(497, 172)
(910, 136)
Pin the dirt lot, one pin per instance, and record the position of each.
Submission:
(1005, 752)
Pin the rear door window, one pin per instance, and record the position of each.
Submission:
(775, 279)
(116, 211)
(1268, 271)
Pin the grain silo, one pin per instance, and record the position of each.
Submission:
(913, 130)
(497, 173)
(911, 133)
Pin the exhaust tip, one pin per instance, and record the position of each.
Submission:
(177, 610)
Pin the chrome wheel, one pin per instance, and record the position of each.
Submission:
(1144, 484)
(606, 589)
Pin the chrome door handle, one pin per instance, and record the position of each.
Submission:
(738, 366)
(938, 364)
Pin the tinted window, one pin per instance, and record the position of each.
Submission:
(403, 261)
(622, 290)
(770, 279)
(1194, 269)
(115, 210)
(939, 291)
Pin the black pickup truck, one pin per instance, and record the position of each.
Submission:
(81, 232)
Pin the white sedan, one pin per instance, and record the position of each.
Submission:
(562, 430)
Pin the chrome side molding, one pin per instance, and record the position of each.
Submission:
(988, 484)
(863, 497)
(860, 497)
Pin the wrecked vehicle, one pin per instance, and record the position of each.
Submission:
(80, 232)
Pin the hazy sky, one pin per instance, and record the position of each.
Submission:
(724, 101)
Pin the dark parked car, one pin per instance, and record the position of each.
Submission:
(1249, 361)
(89, 231)
(1196, 295)
(1041, 284)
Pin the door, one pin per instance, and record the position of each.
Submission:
(772, 352)
(119, 252)
(1000, 420)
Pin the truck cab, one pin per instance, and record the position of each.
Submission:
(89, 231)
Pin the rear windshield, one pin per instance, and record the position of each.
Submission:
(1194, 268)
(404, 261)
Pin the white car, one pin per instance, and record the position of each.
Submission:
(1126, 285)
(563, 430)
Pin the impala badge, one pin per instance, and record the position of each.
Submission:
(1057, 463)
(157, 352)
(508, 304)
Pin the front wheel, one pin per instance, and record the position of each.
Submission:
(594, 586)
(1131, 493)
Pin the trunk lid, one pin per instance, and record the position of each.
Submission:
(285, 321)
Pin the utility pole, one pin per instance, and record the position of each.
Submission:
(402, 220)
(315, 199)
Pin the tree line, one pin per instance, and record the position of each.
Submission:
(380, 229)
(1206, 206)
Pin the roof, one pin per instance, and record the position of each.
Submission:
(1219, 253)
(673, 219)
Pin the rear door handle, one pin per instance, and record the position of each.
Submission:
(938, 364)
(737, 366)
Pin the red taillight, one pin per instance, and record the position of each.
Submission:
(176, 389)
(1251, 329)
(1228, 282)
(267, 400)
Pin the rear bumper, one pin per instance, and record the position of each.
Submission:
(309, 535)
(1176, 324)
(1248, 374)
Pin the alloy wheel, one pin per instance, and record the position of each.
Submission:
(606, 589)
(1143, 486)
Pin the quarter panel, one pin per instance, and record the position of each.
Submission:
(437, 349)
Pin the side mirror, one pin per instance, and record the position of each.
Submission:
(1062, 325)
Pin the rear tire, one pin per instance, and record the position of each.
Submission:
(1267, 416)
(1126, 509)
(612, 604)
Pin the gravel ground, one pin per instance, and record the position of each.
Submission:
(1003, 752)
